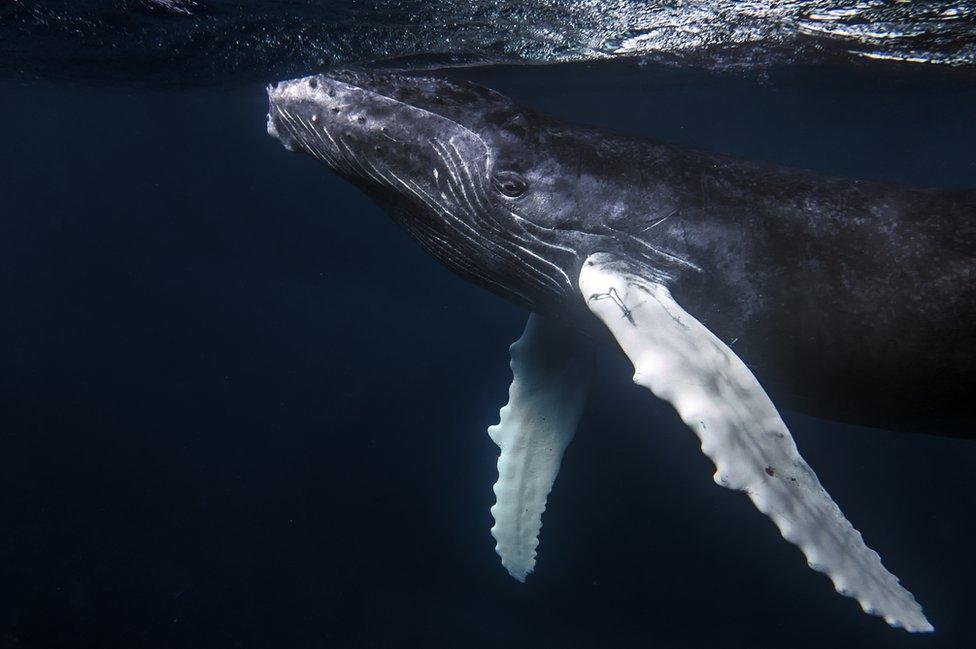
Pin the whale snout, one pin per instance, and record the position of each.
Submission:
(301, 112)
(355, 103)
(339, 117)
(376, 127)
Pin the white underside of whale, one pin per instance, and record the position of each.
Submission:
(715, 394)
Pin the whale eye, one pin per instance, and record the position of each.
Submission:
(510, 183)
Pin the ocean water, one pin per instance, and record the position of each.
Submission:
(239, 408)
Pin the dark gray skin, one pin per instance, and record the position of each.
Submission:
(848, 299)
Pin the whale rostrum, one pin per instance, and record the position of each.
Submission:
(728, 284)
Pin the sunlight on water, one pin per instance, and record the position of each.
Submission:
(206, 41)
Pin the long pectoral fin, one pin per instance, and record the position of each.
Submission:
(715, 394)
(551, 369)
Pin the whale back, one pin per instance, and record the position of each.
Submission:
(849, 299)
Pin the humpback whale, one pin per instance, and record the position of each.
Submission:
(726, 283)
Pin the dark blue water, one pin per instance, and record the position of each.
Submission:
(239, 408)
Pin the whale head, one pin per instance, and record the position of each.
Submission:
(481, 183)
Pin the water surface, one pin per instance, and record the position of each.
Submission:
(212, 41)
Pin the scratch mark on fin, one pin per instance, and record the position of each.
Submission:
(613, 295)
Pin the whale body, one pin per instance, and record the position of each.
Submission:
(725, 282)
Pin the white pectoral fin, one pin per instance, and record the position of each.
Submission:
(716, 395)
(551, 372)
